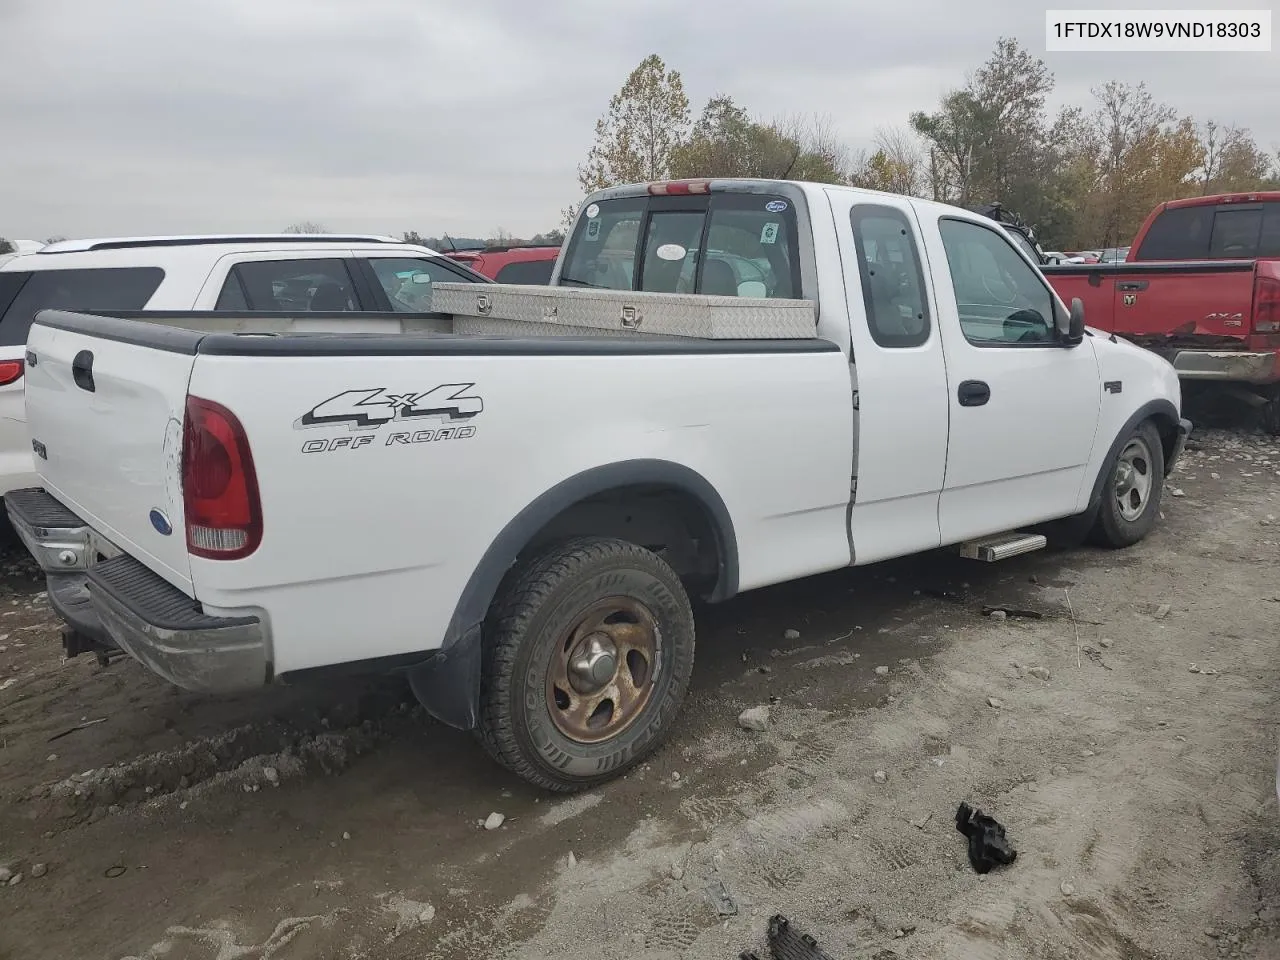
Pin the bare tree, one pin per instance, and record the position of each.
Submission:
(306, 226)
(902, 149)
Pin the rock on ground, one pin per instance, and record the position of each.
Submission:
(754, 718)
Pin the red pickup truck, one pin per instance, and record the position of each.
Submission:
(529, 265)
(1201, 286)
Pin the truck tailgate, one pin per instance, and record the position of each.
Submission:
(1210, 299)
(106, 419)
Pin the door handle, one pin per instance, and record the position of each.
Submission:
(973, 393)
(82, 370)
(1132, 285)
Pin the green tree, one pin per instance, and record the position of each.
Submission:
(305, 226)
(636, 139)
(726, 142)
(987, 140)
(5, 246)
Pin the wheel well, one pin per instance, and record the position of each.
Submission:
(1167, 427)
(665, 519)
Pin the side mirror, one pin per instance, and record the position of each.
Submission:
(1071, 326)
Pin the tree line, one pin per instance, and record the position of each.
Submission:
(1084, 178)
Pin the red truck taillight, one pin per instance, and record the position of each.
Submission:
(219, 486)
(1266, 305)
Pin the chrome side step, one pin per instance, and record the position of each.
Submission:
(1002, 546)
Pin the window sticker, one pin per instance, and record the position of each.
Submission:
(593, 211)
(593, 229)
(776, 206)
(770, 233)
(671, 251)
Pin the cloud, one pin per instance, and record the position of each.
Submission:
(158, 116)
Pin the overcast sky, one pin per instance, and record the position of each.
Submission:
(190, 116)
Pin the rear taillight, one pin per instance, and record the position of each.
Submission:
(679, 188)
(10, 372)
(1266, 305)
(219, 486)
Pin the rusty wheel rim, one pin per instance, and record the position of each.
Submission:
(602, 670)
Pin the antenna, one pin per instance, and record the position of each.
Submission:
(452, 248)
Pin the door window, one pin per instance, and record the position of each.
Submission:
(408, 281)
(1001, 298)
(287, 286)
(892, 280)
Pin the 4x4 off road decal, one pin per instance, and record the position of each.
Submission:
(365, 412)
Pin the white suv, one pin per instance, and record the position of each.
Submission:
(316, 275)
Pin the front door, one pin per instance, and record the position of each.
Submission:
(1023, 406)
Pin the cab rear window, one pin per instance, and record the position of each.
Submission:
(108, 288)
(727, 244)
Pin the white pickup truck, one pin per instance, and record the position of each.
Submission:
(749, 382)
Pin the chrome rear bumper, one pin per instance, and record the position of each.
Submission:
(112, 597)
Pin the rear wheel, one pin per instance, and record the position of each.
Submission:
(588, 654)
(1133, 489)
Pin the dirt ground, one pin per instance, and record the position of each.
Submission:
(1126, 736)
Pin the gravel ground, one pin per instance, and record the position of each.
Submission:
(1125, 735)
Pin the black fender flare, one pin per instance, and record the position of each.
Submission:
(1152, 409)
(448, 685)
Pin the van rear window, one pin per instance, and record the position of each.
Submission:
(727, 244)
(109, 288)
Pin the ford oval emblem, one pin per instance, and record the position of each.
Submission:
(776, 206)
(161, 523)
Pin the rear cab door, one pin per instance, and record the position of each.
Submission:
(900, 374)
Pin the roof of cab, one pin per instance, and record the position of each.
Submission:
(1213, 199)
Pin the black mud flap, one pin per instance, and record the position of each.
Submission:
(448, 685)
(988, 845)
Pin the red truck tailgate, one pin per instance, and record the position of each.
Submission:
(1207, 298)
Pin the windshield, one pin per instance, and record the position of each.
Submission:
(727, 244)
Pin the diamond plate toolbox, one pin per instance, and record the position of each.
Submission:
(625, 311)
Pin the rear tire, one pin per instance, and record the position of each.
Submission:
(1132, 491)
(588, 652)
